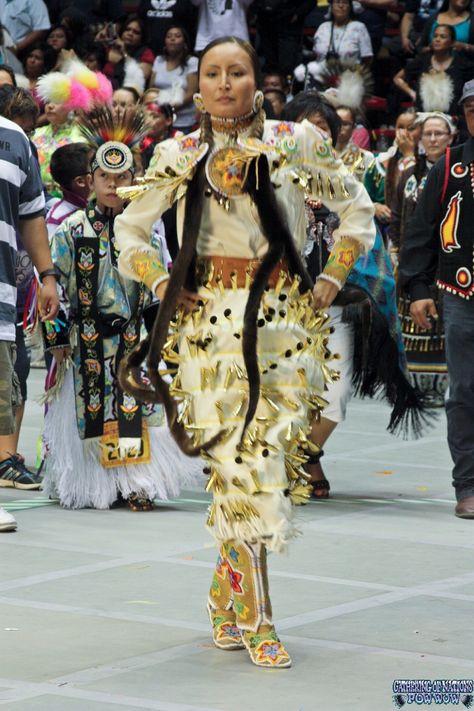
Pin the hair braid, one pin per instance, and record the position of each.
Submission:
(281, 244)
(206, 135)
(258, 124)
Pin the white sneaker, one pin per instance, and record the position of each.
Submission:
(7, 521)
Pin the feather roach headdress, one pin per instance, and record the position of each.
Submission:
(113, 137)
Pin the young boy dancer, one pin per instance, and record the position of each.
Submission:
(104, 313)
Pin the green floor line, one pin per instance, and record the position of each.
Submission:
(22, 504)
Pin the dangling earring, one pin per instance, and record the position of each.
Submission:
(198, 102)
(257, 101)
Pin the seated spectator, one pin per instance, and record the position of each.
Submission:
(277, 99)
(150, 94)
(280, 29)
(275, 80)
(175, 75)
(448, 69)
(7, 75)
(130, 39)
(26, 23)
(123, 99)
(343, 38)
(217, 19)
(75, 21)
(39, 59)
(159, 17)
(59, 38)
(121, 68)
(458, 14)
(159, 118)
(94, 56)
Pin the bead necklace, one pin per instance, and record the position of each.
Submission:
(232, 125)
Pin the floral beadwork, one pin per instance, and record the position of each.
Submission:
(284, 128)
(271, 652)
(341, 260)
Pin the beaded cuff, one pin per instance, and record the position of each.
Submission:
(56, 333)
(343, 256)
(148, 268)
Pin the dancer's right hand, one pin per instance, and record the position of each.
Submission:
(422, 311)
(189, 300)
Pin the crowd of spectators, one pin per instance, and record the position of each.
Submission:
(141, 44)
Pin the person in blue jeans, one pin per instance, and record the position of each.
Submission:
(439, 249)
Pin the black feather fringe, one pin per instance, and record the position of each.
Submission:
(377, 370)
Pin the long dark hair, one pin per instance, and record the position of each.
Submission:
(281, 245)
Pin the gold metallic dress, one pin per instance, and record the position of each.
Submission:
(254, 482)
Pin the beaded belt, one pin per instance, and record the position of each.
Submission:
(237, 272)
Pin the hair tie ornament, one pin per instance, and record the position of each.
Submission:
(257, 101)
(199, 102)
(76, 87)
(62, 89)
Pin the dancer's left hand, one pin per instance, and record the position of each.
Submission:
(324, 293)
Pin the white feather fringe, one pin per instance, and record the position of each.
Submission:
(173, 96)
(75, 475)
(351, 89)
(436, 91)
(299, 72)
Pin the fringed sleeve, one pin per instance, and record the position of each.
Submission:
(172, 167)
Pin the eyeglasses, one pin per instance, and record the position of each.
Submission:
(435, 134)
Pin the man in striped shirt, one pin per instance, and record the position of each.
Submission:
(22, 209)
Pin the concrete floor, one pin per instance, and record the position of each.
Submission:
(104, 610)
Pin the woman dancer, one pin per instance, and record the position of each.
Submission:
(424, 349)
(252, 354)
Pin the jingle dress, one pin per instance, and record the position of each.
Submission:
(253, 483)
(425, 350)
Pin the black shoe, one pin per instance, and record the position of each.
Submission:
(36, 476)
(13, 473)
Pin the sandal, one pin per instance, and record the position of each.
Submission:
(320, 487)
(136, 502)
